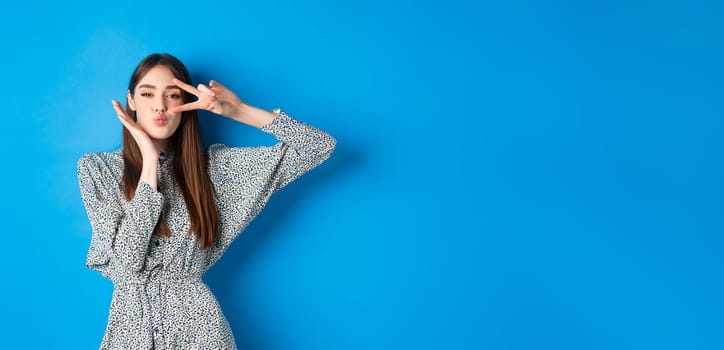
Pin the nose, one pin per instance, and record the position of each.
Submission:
(159, 105)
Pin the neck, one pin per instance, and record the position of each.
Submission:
(161, 145)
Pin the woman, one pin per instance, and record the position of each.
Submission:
(163, 211)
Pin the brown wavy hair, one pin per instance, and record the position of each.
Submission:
(189, 160)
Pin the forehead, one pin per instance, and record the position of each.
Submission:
(158, 76)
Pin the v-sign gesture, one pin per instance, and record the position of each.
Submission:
(218, 99)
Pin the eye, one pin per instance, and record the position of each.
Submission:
(146, 94)
(173, 96)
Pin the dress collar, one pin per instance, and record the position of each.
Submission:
(164, 156)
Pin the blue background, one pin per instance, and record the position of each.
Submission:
(509, 174)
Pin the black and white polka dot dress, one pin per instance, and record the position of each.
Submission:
(159, 298)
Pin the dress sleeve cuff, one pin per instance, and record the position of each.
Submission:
(278, 124)
(147, 192)
(147, 202)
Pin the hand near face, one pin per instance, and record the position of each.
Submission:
(145, 144)
(214, 98)
(218, 99)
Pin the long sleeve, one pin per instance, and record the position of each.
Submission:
(245, 177)
(121, 229)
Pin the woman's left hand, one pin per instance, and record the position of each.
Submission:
(214, 98)
(218, 99)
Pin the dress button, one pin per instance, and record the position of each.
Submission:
(156, 242)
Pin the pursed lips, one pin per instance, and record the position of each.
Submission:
(160, 119)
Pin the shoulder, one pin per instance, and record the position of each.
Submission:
(101, 162)
(222, 153)
(217, 148)
(225, 159)
(217, 152)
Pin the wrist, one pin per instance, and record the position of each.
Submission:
(148, 175)
(150, 161)
(242, 111)
(254, 116)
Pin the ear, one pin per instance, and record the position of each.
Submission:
(131, 102)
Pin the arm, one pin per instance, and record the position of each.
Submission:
(245, 177)
(149, 151)
(218, 99)
(302, 146)
(120, 233)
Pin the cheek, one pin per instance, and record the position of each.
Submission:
(177, 102)
(176, 122)
(176, 116)
(142, 117)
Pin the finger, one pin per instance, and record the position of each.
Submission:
(136, 131)
(222, 92)
(185, 107)
(117, 107)
(216, 86)
(119, 110)
(126, 124)
(206, 90)
(186, 87)
(129, 123)
(124, 120)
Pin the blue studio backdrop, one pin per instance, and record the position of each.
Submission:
(508, 174)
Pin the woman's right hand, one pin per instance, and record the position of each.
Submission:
(149, 152)
(145, 144)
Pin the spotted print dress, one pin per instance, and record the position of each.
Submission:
(159, 298)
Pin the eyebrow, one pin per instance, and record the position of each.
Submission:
(153, 87)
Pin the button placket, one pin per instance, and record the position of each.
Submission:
(154, 298)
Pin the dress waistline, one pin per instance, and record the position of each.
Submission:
(160, 275)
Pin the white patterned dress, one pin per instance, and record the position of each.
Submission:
(159, 299)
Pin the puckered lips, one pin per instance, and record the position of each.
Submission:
(160, 120)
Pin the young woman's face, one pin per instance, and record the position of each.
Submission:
(154, 95)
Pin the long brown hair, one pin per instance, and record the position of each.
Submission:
(189, 160)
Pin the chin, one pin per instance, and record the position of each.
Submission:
(161, 136)
(159, 132)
